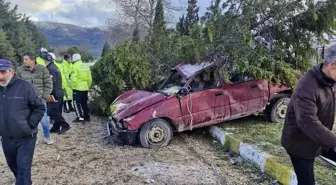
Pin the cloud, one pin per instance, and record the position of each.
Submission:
(87, 13)
(35, 6)
(79, 12)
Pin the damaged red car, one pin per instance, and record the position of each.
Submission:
(193, 96)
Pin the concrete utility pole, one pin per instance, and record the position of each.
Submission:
(52, 17)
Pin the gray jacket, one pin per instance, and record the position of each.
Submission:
(39, 77)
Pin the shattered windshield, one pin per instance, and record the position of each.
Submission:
(174, 83)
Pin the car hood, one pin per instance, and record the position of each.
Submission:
(134, 101)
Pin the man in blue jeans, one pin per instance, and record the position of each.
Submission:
(39, 76)
(21, 110)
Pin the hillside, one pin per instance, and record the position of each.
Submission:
(66, 35)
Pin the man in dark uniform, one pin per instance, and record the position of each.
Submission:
(21, 110)
(55, 108)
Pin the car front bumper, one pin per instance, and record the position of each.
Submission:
(127, 137)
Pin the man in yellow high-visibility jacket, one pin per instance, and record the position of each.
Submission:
(81, 81)
(67, 67)
(39, 60)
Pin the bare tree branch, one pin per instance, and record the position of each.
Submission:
(140, 13)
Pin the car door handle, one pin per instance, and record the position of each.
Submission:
(219, 93)
(253, 85)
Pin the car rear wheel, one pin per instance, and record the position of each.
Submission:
(278, 109)
(155, 133)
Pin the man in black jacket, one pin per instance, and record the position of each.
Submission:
(21, 110)
(55, 108)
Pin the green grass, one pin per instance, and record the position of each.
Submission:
(267, 136)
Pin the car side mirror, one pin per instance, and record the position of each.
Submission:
(181, 93)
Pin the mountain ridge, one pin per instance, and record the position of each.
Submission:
(67, 35)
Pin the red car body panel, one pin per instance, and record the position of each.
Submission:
(226, 102)
(134, 102)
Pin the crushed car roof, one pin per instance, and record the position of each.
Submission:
(187, 70)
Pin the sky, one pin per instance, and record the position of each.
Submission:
(88, 13)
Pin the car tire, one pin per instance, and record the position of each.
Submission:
(155, 133)
(278, 109)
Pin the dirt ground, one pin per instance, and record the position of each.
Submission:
(84, 157)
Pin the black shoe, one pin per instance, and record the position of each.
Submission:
(66, 111)
(87, 119)
(54, 130)
(64, 130)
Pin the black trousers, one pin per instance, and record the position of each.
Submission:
(304, 168)
(80, 99)
(19, 156)
(68, 105)
(55, 113)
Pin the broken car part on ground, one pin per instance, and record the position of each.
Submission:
(194, 96)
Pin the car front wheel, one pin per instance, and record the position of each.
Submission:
(278, 110)
(155, 133)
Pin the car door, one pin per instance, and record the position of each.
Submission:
(198, 107)
(245, 95)
(205, 106)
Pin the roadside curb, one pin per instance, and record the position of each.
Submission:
(263, 161)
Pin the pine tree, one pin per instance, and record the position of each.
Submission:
(106, 49)
(276, 44)
(159, 24)
(6, 49)
(20, 31)
(192, 13)
(181, 26)
(160, 33)
(123, 68)
(85, 55)
(192, 17)
(73, 50)
(213, 12)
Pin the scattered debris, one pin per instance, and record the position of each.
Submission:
(240, 160)
(148, 181)
(236, 160)
(232, 161)
(254, 176)
(275, 182)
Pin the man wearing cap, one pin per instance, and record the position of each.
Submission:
(80, 82)
(21, 110)
(310, 118)
(39, 76)
(60, 126)
(65, 80)
(39, 59)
